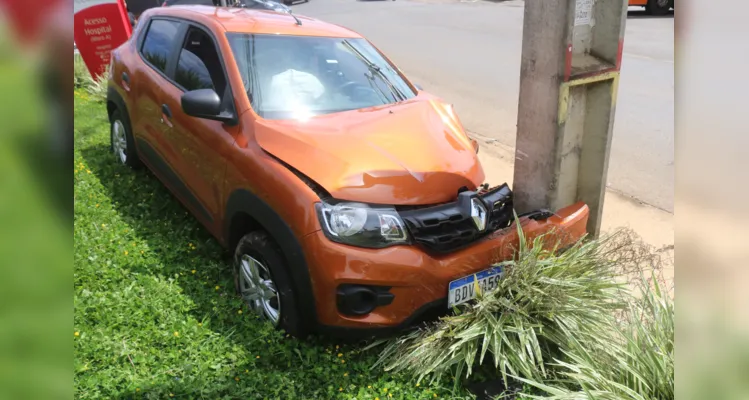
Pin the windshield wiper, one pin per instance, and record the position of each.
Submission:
(375, 87)
(375, 69)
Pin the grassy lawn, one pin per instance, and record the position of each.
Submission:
(155, 311)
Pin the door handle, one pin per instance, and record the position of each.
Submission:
(126, 81)
(166, 111)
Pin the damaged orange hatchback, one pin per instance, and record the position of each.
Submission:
(353, 201)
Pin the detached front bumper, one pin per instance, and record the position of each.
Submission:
(412, 283)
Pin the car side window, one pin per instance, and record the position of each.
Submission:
(199, 65)
(158, 42)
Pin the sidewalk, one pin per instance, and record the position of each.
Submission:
(653, 225)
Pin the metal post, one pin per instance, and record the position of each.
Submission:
(569, 72)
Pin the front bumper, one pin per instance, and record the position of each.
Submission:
(417, 279)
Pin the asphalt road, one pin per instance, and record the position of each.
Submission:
(469, 54)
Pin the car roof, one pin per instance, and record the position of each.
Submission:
(243, 20)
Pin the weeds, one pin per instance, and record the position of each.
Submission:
(82, 79)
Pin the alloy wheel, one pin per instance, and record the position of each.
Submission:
(119, 142)
(257, 288)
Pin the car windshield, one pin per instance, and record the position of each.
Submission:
(290, 77)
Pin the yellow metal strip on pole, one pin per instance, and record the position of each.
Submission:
(564, 91)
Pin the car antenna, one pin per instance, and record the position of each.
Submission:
(298, 22)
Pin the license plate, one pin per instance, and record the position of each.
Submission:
(461, 290)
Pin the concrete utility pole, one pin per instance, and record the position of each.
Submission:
(569, 71)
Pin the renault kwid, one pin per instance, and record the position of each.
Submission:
(353, 201)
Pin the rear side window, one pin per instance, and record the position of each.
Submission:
(158, 42)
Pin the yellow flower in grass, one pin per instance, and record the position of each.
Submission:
(76, 334)
(176, 334)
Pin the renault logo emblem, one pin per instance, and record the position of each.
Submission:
(478, 214)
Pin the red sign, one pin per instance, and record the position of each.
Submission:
(27, 21)
(100, 27)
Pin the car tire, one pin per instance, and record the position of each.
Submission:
(121, 141)
(658, 7)
(269, 265)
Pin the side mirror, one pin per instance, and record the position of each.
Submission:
(204, 103)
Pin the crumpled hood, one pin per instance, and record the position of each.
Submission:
(413, 153)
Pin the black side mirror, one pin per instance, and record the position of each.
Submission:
(204, 103)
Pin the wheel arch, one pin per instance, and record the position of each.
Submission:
(116, 102)
(245, 212)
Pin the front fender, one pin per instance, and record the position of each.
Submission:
(246, 202)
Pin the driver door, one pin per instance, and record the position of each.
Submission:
(201, 145)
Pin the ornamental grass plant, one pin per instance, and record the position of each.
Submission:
(583, 323)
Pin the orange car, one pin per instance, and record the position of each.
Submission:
(655, 7)
(353, 201)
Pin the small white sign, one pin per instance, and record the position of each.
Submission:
(583, 12)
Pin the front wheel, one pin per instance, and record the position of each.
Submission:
(658, 7)
(264, 284)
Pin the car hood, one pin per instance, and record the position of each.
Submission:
(412, 153)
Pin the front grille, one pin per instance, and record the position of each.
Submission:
(448, 227)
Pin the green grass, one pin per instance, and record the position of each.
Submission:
(155, 311)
